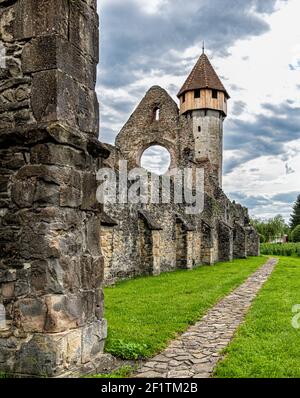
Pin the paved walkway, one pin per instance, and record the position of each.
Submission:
(196, 352)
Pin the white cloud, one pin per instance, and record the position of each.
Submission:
(260, 69)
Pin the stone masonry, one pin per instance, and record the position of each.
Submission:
(51, 267)
(220, 233)
(58, 245)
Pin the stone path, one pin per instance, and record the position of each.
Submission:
(196, 352)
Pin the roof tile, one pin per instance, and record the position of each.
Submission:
(203, 75)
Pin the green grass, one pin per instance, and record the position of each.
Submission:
(281, 249)
(123, 372)
(266, 345)
(144, 314)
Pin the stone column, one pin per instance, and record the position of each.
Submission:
(156, 251)
(225, 244)
(253, 242)
(51, 268)
(189, 249)
(239, 241)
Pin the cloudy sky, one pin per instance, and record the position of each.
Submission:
(254, 46)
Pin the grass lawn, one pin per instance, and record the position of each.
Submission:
(267, 345)
(144, 314)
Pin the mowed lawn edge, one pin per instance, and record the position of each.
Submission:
(266, 345)
(146, 313)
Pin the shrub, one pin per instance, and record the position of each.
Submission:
(262, 238)
(281, 249)
(296, 234)
(128, 350)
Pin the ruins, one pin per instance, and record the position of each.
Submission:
(58, 245)
(193, 135)
(51, 267)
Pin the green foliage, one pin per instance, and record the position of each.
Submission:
(281, 249)
(127, 350)
(296, 234)
(144, 314)
(295, 217)
(271, 229)
(266, 345)
(123, 372)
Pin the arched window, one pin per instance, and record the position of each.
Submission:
(156, 159)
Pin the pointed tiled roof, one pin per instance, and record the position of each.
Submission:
(203, 75)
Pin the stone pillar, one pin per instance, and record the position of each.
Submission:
(225, 242)
(206, 244)
(156, 251)
(253, 242)
(239, 241)
(189, 249)
(51, 268)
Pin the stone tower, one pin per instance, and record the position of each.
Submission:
(204, 98)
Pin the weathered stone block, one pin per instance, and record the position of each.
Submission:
(37, 242)
(63, 312)
(43, 355)
(30, 314)
(92, 235)
(35, 18)
(93, 337)
(91, 272)
(59, 155)
(23, 192)
(84, 29)
(57, 97)
(89, 189)
(54, 52)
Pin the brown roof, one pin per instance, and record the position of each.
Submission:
(203, 75)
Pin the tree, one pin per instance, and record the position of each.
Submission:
(271, 229)
(295, 217)
(296, 234)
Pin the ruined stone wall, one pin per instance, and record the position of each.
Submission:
(253, 239)
(183, 241)
(141, 247)
(51, 267)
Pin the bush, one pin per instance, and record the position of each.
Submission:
(262, 238)
(128, 350)
(281, 249)
(296, 234)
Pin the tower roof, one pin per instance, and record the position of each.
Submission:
(203, 75)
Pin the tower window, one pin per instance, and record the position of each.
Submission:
(197, 93)
(215, 93)
(183, 98)
(156, 114)
(199, 129)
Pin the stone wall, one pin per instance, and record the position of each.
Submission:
(51, 267)
(183, 241)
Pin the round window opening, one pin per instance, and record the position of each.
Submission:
(156, 159)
